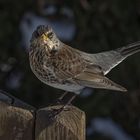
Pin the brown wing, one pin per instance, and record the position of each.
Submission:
(96, 80)
(70, 65)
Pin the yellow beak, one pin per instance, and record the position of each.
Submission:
(44, 37)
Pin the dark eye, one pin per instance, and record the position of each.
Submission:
(50, 35)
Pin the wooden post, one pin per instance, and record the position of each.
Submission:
(19, 121)
(16, 119)
(68, 125)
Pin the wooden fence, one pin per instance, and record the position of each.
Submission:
(20, 121)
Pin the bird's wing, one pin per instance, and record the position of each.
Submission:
(70, 65)
(96, 79)
(85, 73)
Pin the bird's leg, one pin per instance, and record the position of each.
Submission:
(62, 96)
(60, 99)
(69, 101)
(57, 111)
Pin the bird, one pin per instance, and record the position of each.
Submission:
(61, 66)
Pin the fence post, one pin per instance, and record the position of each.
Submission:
(68, 125)
(20, 121)
(16, 119)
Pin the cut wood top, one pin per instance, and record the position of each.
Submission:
(19, 121)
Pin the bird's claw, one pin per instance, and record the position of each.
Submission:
(55, 112)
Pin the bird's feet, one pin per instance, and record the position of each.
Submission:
(56, 112)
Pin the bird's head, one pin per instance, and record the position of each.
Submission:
(45, 36)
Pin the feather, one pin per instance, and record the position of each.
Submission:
(109, 59)
(95, 80)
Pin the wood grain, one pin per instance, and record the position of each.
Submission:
(16, 122)
(68, 125)
(20, 121)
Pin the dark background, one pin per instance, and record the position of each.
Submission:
(100, 25)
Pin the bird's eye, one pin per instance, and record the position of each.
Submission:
(50, 35)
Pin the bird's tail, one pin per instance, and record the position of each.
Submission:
(129, 49)
(109, 59)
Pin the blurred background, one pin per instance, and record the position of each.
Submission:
(89, 25)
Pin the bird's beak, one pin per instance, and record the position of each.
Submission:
(44, 37)
(45, 40)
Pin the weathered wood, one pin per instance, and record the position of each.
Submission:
(68, 125)
(20, 121)
(16, 122)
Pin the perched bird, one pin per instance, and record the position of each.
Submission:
(61, 66)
